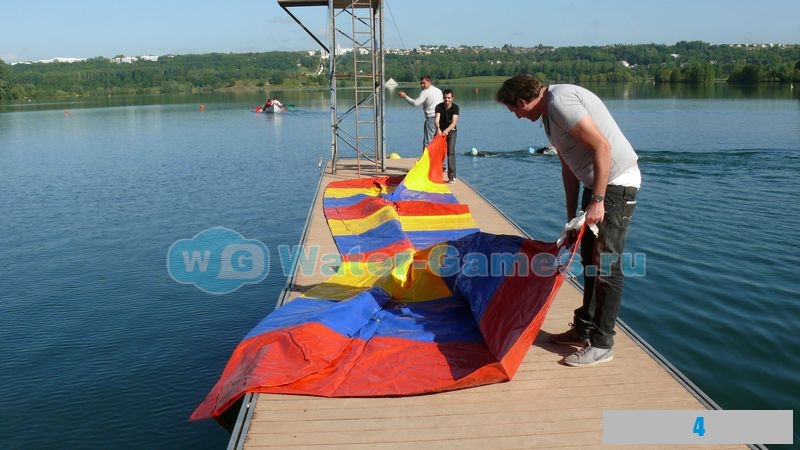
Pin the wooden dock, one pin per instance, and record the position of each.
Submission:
(547, 404)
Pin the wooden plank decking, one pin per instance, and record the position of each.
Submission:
(546, 405)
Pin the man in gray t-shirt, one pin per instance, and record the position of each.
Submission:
(595, 153)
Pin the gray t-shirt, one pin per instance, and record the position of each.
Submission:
(567, 104)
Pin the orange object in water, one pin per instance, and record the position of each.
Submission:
(202, 107)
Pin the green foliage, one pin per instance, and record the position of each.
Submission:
(276, 78)
(692, 62)
(688, 62)
(662, 75)
(699, 73)
(749, 74)
(4, 94)
(169, 75)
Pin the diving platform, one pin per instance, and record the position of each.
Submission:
(547, 404)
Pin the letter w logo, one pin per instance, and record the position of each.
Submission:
(202, 262)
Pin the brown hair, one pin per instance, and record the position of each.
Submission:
(519, 87)
(425, 77)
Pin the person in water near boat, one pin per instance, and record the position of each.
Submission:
(595, 153)
(446, 119)
(428, 98)
(270, 102)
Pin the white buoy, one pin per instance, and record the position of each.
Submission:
(550, 151)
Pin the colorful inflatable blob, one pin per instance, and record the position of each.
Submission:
(422, 302)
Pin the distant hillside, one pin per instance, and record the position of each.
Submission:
(690, 62)
(683, 62)
(167, 75)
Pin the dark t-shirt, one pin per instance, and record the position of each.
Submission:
(446, 115)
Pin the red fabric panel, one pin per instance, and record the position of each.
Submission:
(281, 357)
(437, 150)
(419, 208)
(368, 182)
(517, 302)
(513, 306)
(359, 210)
(404, 208)
(388, 251)
(313, 360)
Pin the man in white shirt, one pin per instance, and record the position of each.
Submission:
(428, 98)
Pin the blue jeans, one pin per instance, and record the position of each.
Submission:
(428, 131)
(602, 293)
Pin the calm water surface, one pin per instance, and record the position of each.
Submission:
(100, 348)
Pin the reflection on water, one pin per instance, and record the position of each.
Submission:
(317, 99)
(91, 203)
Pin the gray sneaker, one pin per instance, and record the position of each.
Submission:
(570, 337)
(589, 356)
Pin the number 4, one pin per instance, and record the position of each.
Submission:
(698, 427)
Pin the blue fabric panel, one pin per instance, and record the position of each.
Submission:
(443, 320)
(331, 202)
(404, 194)
(377, 238)
(480, 289)
(425, 239)
(347, 317)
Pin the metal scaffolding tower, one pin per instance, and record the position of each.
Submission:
(355, 54)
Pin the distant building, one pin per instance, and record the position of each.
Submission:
(55, 60)
(130, 59)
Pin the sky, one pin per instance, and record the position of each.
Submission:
(43, 29)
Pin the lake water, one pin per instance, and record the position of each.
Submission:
(100, 348)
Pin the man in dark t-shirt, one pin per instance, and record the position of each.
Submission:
(446, 120)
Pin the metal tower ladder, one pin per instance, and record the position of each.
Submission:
(356, 95)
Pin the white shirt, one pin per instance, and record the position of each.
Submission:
(629, 178)
(428, 98)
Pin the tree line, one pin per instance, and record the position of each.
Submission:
(683, 62)
(168, 75)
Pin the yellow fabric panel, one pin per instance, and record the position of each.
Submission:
(397, 276)
(341, 227)
(357, 226)
(437, 223)
(424, 286)
(330, 290)
(350, 192)
(350, 279)
(410, 284)
(417, 178)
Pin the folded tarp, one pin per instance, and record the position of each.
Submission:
(401, 316)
